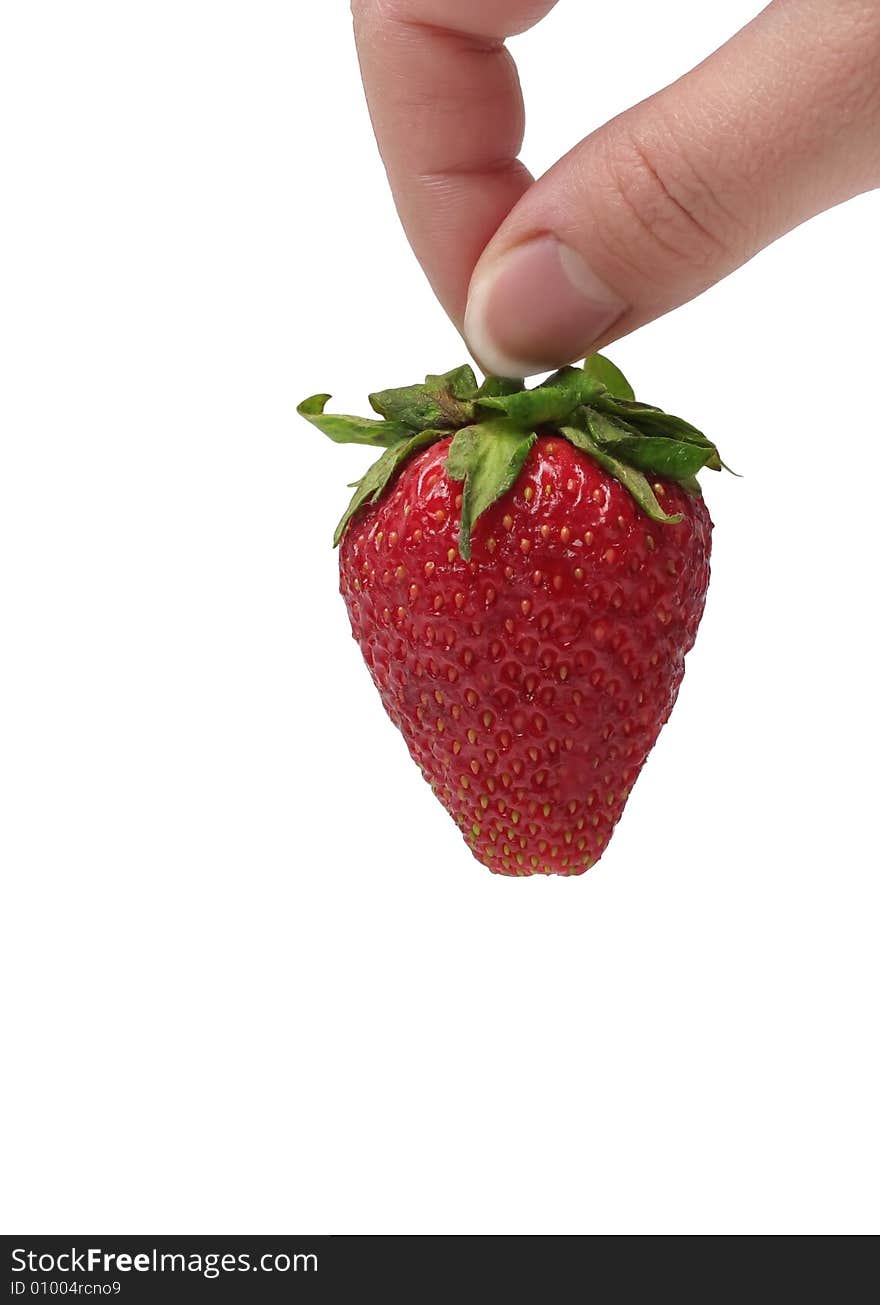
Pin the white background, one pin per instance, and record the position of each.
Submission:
(253, 980)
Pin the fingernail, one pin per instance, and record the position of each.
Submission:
(535, 308)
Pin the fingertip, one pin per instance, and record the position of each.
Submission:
(484, 348)
(536, 307)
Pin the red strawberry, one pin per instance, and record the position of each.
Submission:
(524, 596)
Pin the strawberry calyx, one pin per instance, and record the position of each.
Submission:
(494, 425)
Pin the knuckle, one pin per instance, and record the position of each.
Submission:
(670, 211)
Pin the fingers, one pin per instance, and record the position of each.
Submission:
(779, 124)
(446, 107)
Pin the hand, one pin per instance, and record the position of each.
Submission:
(650, 210)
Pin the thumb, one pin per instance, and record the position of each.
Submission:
(662, 202)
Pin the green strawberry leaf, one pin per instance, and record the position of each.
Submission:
(662, 424)
(634, 481)
(441, 403)
(460, 382)
(495, 387)
(488, 458)
(674, 459)
(657, 455)
(410, 404)
(351, 430)
(372, 486)
(656, 422)
(550, 403)
(602, 369)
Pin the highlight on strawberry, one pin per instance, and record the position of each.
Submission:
(524, 571)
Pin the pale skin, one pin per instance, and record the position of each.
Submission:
(776, 126)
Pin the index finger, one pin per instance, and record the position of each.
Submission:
(447, 110)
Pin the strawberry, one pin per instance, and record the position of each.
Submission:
(524, 571)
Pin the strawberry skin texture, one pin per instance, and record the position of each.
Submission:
(530, 683)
